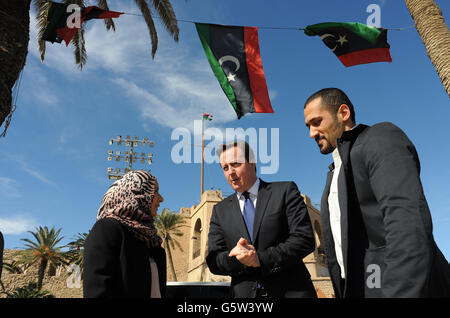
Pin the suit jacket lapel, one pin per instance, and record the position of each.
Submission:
(344, 152)
(325, 213)
(264, 194)
(237, 217)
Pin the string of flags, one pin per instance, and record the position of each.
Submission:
(234, 56)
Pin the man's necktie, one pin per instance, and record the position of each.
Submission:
(249, 213)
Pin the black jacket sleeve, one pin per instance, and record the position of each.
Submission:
(393, 170)
(101, 259)
(218, 261)
(299, 241)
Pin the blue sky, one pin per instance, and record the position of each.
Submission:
(54, 156)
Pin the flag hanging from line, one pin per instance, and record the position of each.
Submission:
(57, 28)
(207, 116)
(234, 56)
(353, 43)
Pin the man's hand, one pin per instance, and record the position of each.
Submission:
(245, 253)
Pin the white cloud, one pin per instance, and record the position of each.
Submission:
(23, 165)
(9, 188)
(17, 225)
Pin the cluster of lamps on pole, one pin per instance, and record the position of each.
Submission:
(129, 156)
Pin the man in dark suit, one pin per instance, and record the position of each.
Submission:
(375, 219)
(260, 234)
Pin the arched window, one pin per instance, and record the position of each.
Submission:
(197, 239)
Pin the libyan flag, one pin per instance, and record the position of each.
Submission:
(353, 43)
(58, 18)
(233, 53)
(207, 116)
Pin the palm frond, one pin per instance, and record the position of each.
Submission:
(103, 4)
(168, 18)
(79, 46)
(147, 14)
(42, 7)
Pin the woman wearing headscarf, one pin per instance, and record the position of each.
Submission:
(123, 256)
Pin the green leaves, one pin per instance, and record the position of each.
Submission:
(43, 250)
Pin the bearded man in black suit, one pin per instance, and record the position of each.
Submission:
(376, 223)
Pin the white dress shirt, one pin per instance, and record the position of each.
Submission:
(335, 211)
(253, 191)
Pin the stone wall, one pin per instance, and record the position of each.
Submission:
(57, 285)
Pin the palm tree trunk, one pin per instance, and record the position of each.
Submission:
(14, 36)
(435, 35)
(41, 273)
(169, 256)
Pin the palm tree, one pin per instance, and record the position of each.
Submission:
(435, 35)
(28, 291)
(168, 224)
(15, 29)
(75, 255)
(43, 251)
(14, 36)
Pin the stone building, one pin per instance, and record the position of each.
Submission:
(190, 265)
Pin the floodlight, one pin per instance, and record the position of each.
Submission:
(117, 170)
(109, 170)
(135, 143)
(119, 143)
(109, 158)
(111, 142)
(152, 143)
(118, 152)
(127, 143)
(119, 137)
(142, 160)
(136, 137)
(150, 155)
(117, 158)
(110, 152)
(149, 162)
(146, 138)
(126, 158)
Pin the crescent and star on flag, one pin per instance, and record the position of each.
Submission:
(231, 76)
(342, 39)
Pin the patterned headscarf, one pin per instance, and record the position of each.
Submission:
(129, 201)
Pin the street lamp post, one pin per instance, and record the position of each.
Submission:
(129, 156)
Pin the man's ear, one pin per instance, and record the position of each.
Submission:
(344, 112)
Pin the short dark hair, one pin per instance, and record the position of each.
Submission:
(243, 145)
(333, 98)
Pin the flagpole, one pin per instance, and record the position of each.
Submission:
(203, 147)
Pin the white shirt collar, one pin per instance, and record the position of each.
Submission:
(336, 157)
(253, 190)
